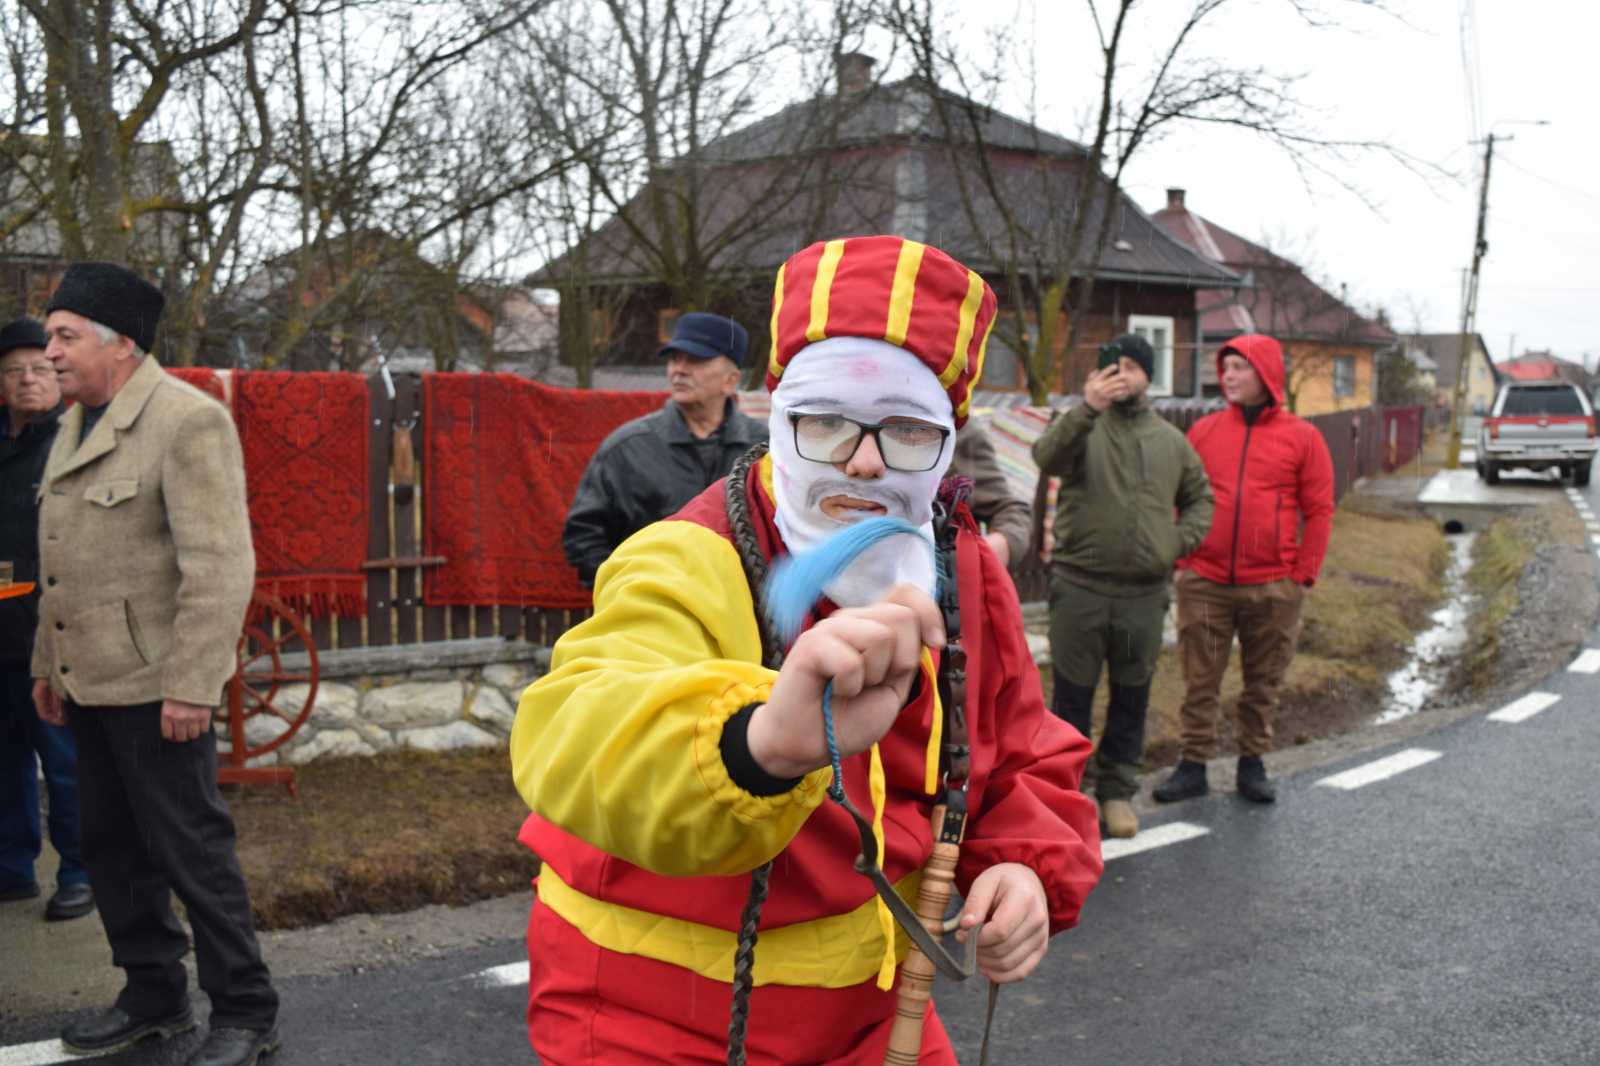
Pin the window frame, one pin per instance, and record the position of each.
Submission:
(1166, 356)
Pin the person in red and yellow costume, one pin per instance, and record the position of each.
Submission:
(667, 754)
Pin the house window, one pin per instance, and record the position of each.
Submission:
(1157, 330)
(1344, 375)
(666, 322)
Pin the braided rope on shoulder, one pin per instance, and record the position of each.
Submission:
(755, 571)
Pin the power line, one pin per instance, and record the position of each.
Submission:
(1550, 181)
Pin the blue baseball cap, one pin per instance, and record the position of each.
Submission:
(706, 336)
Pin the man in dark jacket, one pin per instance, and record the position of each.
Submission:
(650, 467)
(32, 412)
(1007, 520)
(1273, 480)
(1133, 500)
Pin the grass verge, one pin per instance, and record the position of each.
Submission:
(1380, 580)
(383, 834)
(1499, 556)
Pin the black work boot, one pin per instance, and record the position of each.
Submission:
(1252, 781)
(1188, 781)
(114, 1029)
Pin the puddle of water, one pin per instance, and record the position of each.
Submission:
(1410, 686)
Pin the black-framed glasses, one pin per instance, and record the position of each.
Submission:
(908, 445)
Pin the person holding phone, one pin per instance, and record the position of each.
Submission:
(1134, 499)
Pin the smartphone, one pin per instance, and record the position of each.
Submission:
(1110, 355)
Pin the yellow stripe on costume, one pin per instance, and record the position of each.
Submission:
(880, 792)
(903, 292)
(969, 322)
(834, 951)
(930, 777)
(832, 252)
(777, 305)
(983, 347)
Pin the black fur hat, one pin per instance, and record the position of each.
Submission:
(113, 296)
(23, 333)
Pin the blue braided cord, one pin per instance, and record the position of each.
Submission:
(836, 788)
(796, 581)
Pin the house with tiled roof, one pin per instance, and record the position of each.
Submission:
(1445, 349)
(1330, 349)
(1544, 366)
(891, 168)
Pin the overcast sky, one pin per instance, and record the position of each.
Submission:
(1401, 81)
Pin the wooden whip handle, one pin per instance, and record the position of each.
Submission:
(916, 973)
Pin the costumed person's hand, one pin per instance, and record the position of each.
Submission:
(1009, 899)
(997, 541)
(871, 654)
(182, 722)
(48, 704)
(1105, 387)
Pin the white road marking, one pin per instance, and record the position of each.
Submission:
(1525, 708)
(1159, 837)
(512, 973)
(1586, 663)
(1389, 766)
(42, 1053)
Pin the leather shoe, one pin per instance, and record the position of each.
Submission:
(1120, 819)
(235, 1047)
(72, 900)
(114, 1029)
(11, 893)
(1188, 781)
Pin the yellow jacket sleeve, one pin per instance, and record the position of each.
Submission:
(620, 744)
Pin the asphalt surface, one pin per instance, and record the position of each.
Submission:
(1445, 914)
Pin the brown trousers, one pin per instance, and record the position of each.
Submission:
(1267, 621)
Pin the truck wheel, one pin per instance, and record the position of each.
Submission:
(1580, 475)
(1491, 473)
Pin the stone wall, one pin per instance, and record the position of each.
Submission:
(440, 697)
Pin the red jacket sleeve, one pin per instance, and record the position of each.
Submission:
(1031, 811)
(1316, 505)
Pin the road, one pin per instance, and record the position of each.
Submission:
(1428, 903)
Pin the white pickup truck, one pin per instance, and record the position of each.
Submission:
(1538, 425)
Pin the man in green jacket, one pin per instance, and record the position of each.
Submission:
(1134, 499)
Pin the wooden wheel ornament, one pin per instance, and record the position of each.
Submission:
(275, 650)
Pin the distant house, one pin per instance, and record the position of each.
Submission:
(893, 170)
(1543, 366)
(1445, 351)
(1330, 350)
(32, 256)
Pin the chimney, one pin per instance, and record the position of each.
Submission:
(855, 72)
(1175, 200)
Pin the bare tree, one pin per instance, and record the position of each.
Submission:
(1049, 223)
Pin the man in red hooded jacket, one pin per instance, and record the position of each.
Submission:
(1273, 482)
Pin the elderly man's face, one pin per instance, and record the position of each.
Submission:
(88, 369)
(28, 381)
(699, 382)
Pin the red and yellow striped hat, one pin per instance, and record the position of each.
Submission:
(885, 288)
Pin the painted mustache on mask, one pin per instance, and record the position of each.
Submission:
(897, 502)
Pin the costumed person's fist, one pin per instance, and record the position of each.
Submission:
(1009, 899)
(48, 704)
(1105, 387)
(871, 655)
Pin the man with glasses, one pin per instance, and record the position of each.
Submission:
(1134, 499)
(669, 755)
(27, 743)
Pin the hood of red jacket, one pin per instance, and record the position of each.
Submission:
(1265, 354)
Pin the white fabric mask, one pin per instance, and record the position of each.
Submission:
(868, 380)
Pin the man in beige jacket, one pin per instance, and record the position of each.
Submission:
(146, 568)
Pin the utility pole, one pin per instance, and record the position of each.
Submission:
(1469, 312)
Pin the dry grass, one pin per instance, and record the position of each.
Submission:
(380, 835)
(1381, 579)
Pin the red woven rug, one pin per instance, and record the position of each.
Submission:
(305, 460)
(503, 458)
